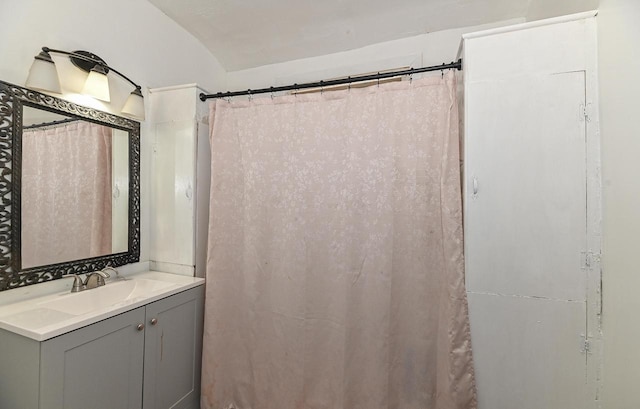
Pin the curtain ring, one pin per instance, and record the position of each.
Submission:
(321, 87)
(410, 78)
(378, 79)
(349, 83)
(271, 92)
(229, 99)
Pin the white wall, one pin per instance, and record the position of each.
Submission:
(541, 9)
(131, 35)
(423, 50)
(619, 67)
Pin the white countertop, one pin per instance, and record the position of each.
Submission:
(46, 316)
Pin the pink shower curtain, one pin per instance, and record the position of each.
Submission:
(66, 193)
(335, 269)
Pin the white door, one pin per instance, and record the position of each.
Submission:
(525, 238)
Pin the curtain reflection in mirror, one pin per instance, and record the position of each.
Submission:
(66, 193)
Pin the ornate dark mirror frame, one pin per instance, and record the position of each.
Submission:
(12, 100)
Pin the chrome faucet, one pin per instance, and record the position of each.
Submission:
(78, 285)
(93, 280)
(117, 277)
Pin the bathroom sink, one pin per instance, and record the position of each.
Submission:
(112, 294)
(46, 316)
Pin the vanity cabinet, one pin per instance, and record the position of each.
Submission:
(145, 358)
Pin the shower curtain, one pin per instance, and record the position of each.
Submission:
(335, 268)
(66, 193)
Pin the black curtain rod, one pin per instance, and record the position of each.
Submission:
(452, 65)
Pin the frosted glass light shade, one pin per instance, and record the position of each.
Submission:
(97, 84)
(134, 105)
(43, 74)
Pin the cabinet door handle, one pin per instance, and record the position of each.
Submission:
(474, 187)
(154, 321)
(140, 327)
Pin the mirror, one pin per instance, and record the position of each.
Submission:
(74, 185)
(69, 181)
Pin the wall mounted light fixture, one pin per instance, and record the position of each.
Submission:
(43, 75)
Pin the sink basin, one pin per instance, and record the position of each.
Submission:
(110, 295)
(45, 316)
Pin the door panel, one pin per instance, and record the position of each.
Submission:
(173, 351)
(99, 366)
(525, 227)
(525, 234)
(527, 352)
(172, 221)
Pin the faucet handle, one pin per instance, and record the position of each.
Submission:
(118, 276)
(78, 285)
(95, 279)
(111, 269)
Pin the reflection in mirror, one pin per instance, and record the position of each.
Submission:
(75, 189)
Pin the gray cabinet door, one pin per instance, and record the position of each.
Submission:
(173, 350)
(99, 366)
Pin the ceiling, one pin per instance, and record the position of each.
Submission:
(249, 33)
